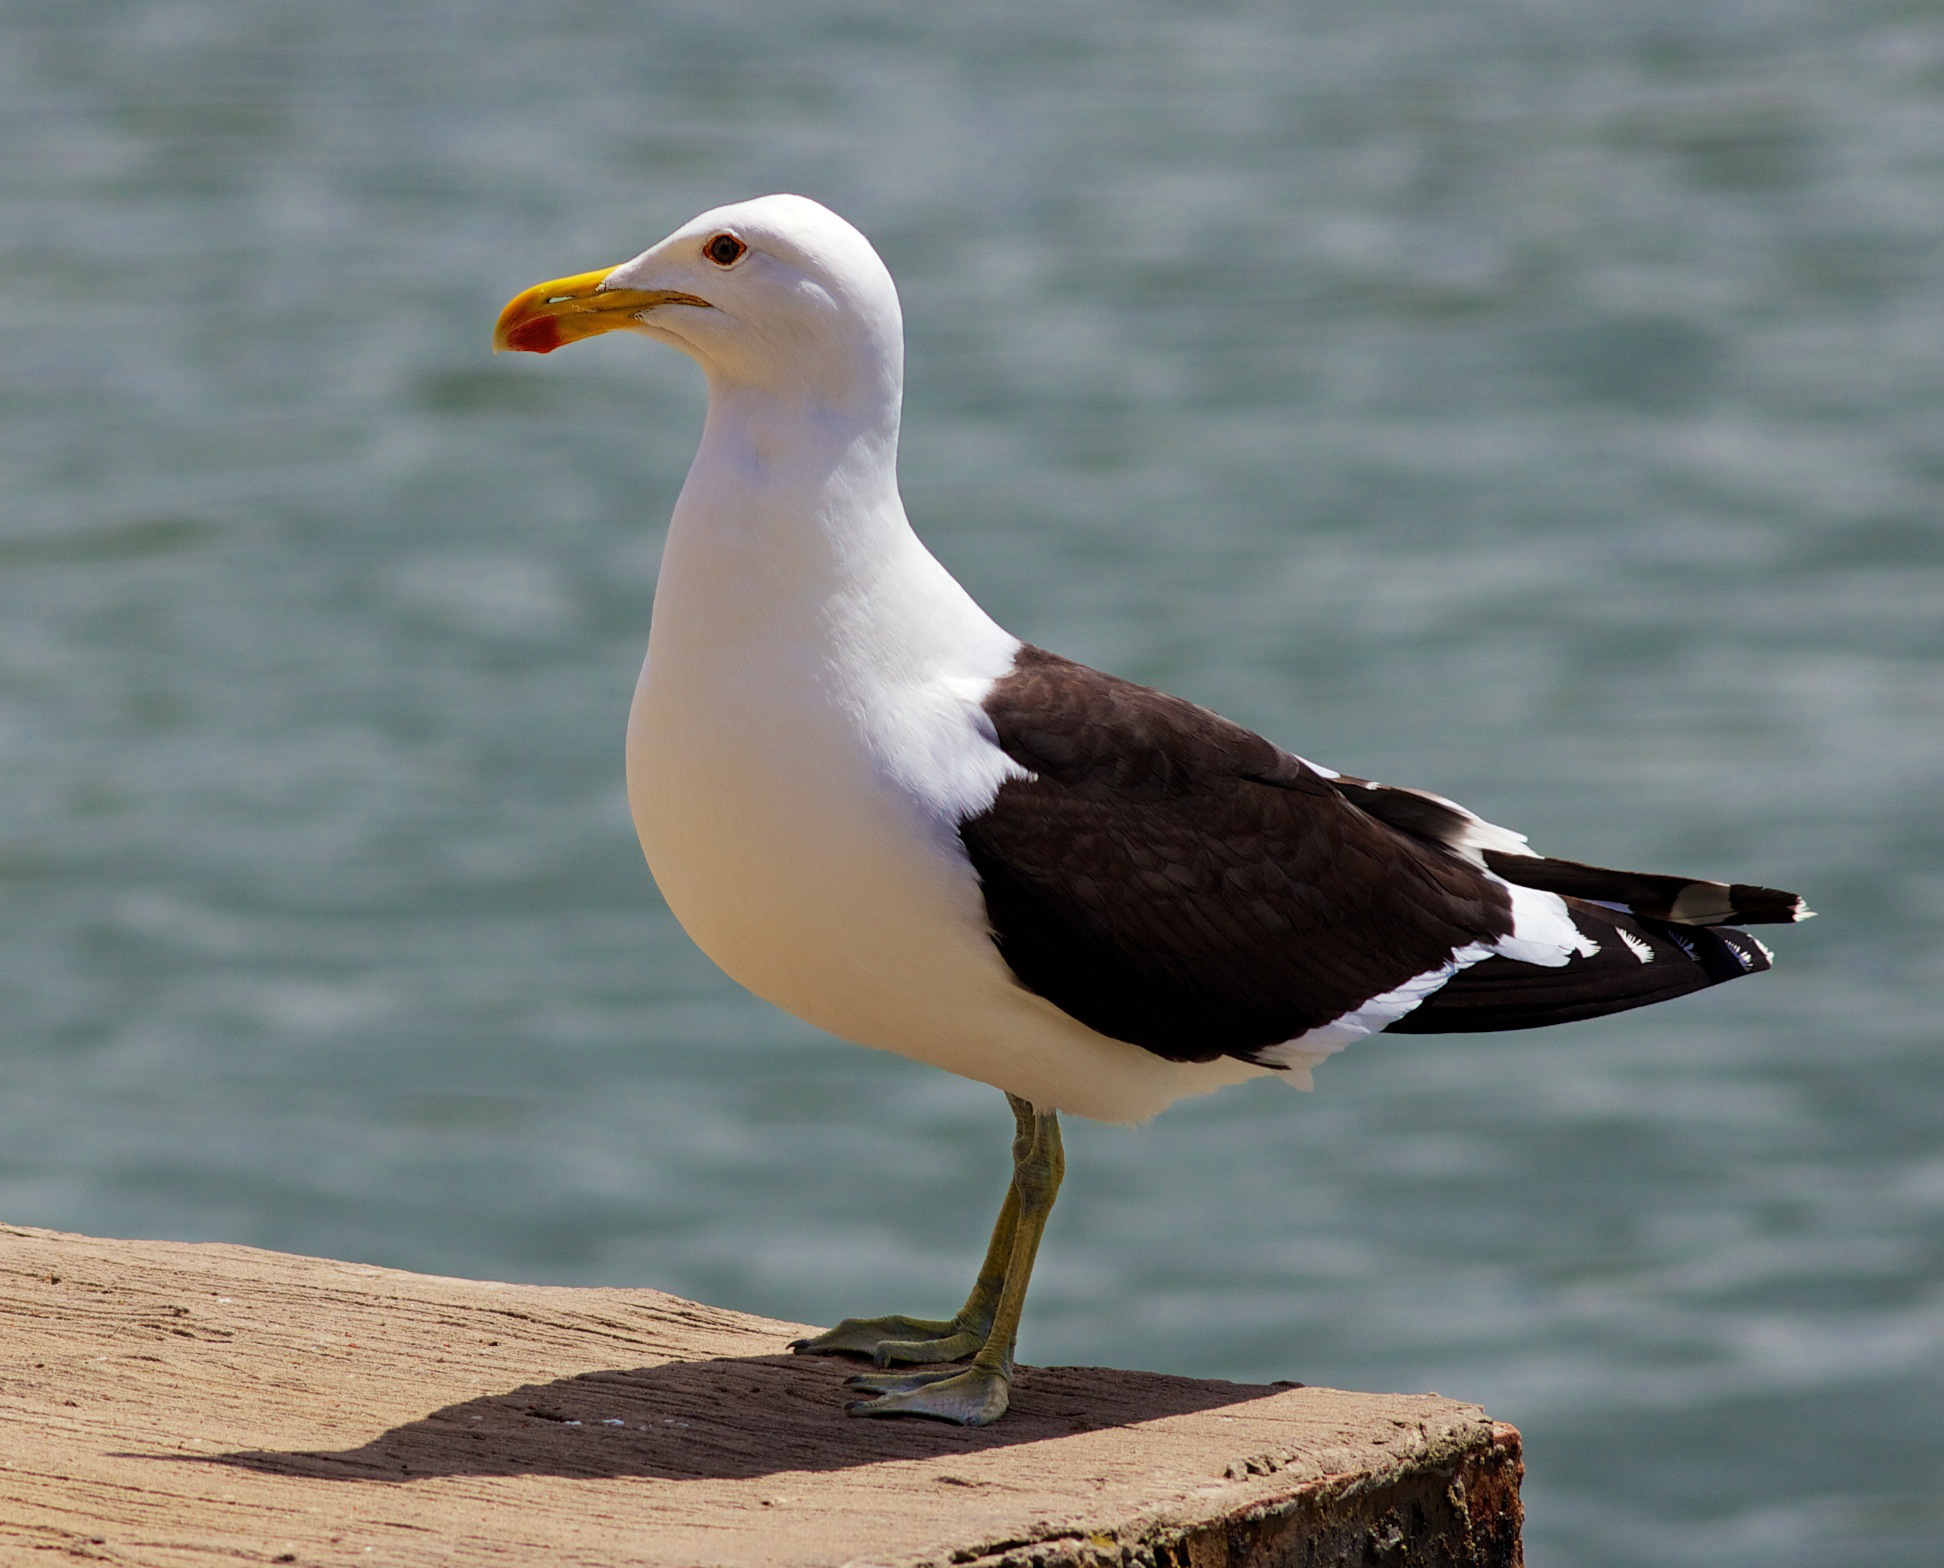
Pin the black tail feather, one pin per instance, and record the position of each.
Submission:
(1640, 961)
(1684, 901)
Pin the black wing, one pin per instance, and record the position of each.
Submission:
(1176, 881)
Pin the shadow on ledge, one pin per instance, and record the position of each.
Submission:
(726, 1419)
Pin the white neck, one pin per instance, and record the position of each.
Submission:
(790, 536)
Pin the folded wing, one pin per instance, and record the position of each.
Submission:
(1176, 881)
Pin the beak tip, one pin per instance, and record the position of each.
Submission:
(548, 315)
(529, 335)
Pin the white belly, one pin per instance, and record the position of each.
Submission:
(806, 840)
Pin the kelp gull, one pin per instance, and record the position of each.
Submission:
(876, 808)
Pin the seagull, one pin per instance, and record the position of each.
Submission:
(877, 809)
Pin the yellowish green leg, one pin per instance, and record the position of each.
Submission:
(899, 1340)
(977, 1394)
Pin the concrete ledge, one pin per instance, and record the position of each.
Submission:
(185, 1405)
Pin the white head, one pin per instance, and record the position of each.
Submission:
(776, 295)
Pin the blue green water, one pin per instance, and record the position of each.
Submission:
(1542, 403)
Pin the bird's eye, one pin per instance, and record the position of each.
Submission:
(725, 250)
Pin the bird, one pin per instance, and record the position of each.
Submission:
(877, 809)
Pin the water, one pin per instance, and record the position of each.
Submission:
(1536, 402)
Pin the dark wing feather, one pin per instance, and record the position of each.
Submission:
(1174, 880)
(1661, 961)
(1677, 900)
(1688, 901)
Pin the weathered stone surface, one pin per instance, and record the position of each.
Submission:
(169, 1404)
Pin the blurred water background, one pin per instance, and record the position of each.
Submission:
(1539, 402)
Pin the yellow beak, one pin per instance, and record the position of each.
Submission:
(566, 310)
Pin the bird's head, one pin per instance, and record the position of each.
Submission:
(778, 291)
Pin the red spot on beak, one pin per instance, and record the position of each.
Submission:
(536, 335)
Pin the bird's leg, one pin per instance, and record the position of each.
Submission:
(895, 1339)
(899, 1340)
(975, 1395)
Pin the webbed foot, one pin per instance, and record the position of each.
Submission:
(900, 1382)
(986, 1328)
(897, 1340)
(974, 1396)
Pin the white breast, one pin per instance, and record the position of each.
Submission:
(797, 767)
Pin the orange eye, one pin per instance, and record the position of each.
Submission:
(725, 250)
